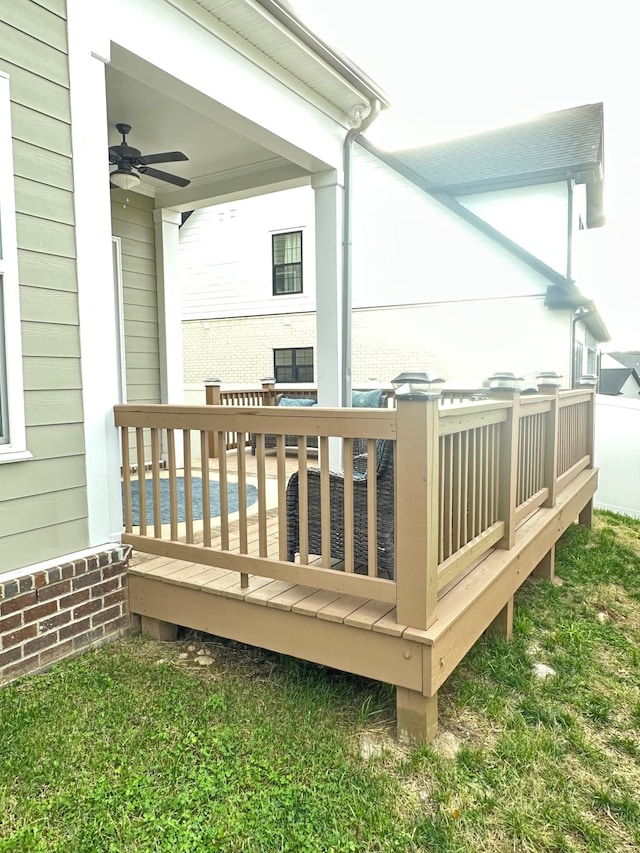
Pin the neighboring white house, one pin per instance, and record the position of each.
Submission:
(460, 262)
(619, 375)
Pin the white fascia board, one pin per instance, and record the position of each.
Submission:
(350, 95)
(257, 104)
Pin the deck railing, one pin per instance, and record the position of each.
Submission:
(267, 395)
(462, 478)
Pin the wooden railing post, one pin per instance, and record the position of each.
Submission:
(588, 383)
(416, 498)
(416, 538)
(213, 398)
(508, 464)
(269, 391)
(550, 388)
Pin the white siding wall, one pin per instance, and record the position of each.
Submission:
(464, 342)
(429, 290)
(630, 389)
(534, 217)
(409, 248)
(225, 256)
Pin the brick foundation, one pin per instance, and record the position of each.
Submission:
(57, 612)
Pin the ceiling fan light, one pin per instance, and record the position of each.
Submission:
(125, 180)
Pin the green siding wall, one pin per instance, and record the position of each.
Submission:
(132, 221)
(43, 505)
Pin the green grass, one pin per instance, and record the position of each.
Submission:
(131, 748)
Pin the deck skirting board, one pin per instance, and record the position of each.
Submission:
(383, 657)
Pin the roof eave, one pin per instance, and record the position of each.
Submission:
(339, 63)
(581, 173)
(569, 296)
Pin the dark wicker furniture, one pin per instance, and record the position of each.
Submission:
(385, 511)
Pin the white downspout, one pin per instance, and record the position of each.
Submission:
(346, 247)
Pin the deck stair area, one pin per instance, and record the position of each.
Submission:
(483, 491)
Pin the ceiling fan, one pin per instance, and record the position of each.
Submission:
(131, 163)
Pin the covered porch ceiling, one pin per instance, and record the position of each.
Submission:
(230, 156)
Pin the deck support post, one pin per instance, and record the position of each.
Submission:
(213, 397)
(417, 716)
(502, 625)
(585, 519)
(546, 568)
(156, 629)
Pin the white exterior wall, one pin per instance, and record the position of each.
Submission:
(430, 291)
(408, 248)
(534, 217)
(226, 262)
(617, 453)
(463, 342)
(630, 389)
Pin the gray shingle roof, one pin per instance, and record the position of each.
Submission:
(631, 358)
(568, 140)
(613, 378)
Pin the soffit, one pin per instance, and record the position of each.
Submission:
(300, 54)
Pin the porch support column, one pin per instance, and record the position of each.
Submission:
(167, 227)
(329, 314)
(167, 230)
(89, 51)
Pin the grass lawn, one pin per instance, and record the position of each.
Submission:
(136, 747)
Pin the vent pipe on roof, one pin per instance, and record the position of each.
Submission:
(361, 125)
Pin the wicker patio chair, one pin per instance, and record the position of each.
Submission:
(385, 511)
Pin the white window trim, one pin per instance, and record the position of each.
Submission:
(16, 449)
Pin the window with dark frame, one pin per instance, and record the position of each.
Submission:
(294, 364)
(287, 263)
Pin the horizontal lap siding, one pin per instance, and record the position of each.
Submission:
(43, 501)
(132, 221)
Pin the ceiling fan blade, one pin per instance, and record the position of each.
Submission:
(166, 157)
(114, 157)
(164, 176)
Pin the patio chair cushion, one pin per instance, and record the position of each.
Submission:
(366, 399)
(296, 401)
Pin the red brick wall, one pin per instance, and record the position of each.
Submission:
(54, 613)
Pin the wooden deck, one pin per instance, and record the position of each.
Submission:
(237, 584)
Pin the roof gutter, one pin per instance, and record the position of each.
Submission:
(559, 298)
(283, 13)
